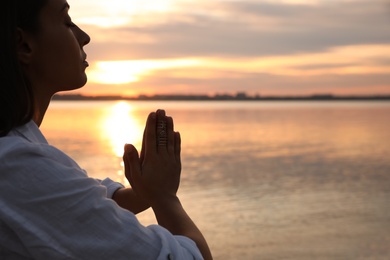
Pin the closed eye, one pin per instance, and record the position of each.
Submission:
(70, 24)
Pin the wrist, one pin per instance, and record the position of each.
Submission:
(165, 202)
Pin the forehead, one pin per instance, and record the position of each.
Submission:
(53, 12)
(56, 6)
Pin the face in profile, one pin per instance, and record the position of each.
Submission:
(57, 60)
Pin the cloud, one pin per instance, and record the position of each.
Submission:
(341, 60)
(252, 83)
(246, 29)
(337, 46)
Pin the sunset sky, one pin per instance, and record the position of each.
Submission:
(265, 47)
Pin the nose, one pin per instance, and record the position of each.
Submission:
(86, 38)
(83, 38)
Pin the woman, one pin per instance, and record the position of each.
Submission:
(49, 207)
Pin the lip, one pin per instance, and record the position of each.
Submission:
(85, 62)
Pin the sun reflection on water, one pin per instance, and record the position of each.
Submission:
(121, 127)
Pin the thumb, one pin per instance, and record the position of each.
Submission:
(132, 164)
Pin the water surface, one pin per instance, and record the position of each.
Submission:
(263, 180)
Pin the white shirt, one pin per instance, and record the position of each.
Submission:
(51, 209)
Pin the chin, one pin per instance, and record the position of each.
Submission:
(69, 89)
(75, 85)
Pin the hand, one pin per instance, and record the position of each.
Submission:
(156, 175)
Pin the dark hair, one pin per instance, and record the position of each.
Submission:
(16, 96)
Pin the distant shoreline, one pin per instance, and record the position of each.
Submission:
(238, 97)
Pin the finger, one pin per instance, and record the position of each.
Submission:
(142, 156)
(161, 131)
(160, 113)
(177, 146)
(132, 163)
(170, 135)
(150, 135)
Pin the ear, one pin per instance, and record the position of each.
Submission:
(23, 46)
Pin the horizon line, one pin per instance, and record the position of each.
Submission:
(238, 96)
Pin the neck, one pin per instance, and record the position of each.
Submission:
(41, 105)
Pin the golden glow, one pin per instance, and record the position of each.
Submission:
(122, 30)
(122, 72)
(121, 127)
(342, 61)
(105, 22)
(116, 13)
(113, 73)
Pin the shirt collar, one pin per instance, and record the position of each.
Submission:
(29, 131)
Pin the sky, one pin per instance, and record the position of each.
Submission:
(260, 47)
